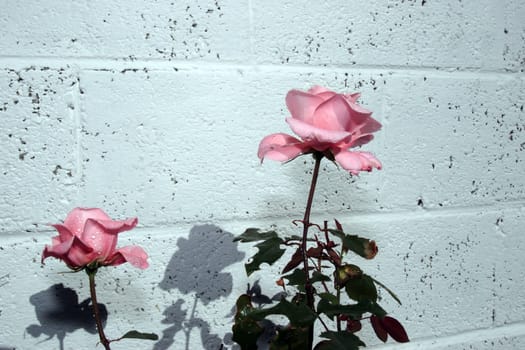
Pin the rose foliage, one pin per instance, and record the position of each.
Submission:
(321, 283)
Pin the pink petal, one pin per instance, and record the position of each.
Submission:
(326, 95)
(80, 254)
(352, 97)
(73, 252)
(322, 92)
(280, 147)
(356, 141)
(334, 114)
(57, 250)
(355, 162)
(117, 226)
(101, 235)
(317, 136)
(77, 218)
(370, 126)
(302, 105)
(349, 161)
(338, 113)
(357, 117)
(97, 237)
(357, 107)
(372, 160)
(63, 233)
(67, 247)
(135, 255)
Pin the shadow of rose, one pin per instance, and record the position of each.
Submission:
(196, 269)
(59, 312)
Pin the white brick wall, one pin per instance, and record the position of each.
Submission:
(155, 110)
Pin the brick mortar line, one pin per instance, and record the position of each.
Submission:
(465, 337)
(251, 31)
(117, 64)
(162, 229)
(77, 104)
(389, 216)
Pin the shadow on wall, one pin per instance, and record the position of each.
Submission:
(58, 312)
(196, 269)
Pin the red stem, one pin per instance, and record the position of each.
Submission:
(306, 223)
(96, 312)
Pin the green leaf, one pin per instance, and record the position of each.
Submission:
(333, 309)
(269, 252)
(319, 277)
(375, 309)
(328, 297)
(291, 338)
(269, 248)
(299, 314)
(361, 246)
(348, 271)
(361, 289)
(392, 294)
(339, 341)
(243, 306)
(139, 335)
(355, 311)
(254, 235)
(246, 330)
(297, 238)
(298, 278)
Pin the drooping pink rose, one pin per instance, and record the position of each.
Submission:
(326, 122)
(88, 236)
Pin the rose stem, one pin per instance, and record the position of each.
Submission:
(306, 223)
(96, 313)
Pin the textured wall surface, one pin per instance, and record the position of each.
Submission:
(155, 110)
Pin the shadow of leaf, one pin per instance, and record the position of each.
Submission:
(173, 315)
(257, 296)
(59, 312)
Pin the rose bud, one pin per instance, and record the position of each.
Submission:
(88, 238)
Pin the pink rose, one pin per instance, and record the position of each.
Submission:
(89, 237)
(326, 122)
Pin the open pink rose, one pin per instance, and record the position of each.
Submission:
(326, 122)
(89, 237)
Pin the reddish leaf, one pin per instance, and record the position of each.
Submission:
(316, 252)
(338, 225)
(378, 328)
(353, 326)
(296, 259)
(370, 249)
(335, 257)
(395, 329)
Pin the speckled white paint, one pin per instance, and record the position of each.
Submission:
(156, 109)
